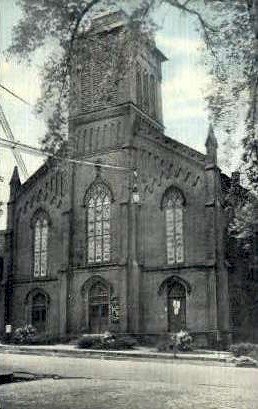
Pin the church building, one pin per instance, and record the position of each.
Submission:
(127, 235)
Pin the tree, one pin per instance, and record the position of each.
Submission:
(230, 31)
(59, 25)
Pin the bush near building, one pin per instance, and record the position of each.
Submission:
(179, 341)
(245, 349)
(106, 341)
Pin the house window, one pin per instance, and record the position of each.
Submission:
(40, 247)
(98, 225)
(173, 205)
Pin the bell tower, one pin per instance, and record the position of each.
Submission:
(111, 80)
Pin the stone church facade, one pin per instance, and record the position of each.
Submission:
(132, 244)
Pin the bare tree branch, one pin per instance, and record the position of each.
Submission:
(183, 6)
(206, 27)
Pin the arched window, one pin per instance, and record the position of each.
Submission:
(98, 225)
(173, 204)
(39, 312)
(40, 247)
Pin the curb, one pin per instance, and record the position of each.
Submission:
(103, 354)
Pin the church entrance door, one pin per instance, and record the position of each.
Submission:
(39, 312)
(176, 308)
(98, 308)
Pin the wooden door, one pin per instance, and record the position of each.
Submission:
(176, 308)
(99, 309)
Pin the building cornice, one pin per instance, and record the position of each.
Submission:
(112, 112)
(177, 268)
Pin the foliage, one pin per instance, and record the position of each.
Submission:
(241, 223)
(229, 29)
(106, 341)
(24, 335)
(179, 341)
(57, 28)
(245, 350)
(44, 339)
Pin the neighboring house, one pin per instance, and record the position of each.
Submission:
(137, 248)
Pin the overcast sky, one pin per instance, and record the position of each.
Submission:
(184, 84)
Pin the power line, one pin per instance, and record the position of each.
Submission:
(8, 132)
(39, 152)
(14, 94)
(33, 150)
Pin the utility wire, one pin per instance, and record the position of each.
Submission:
(8, 132)
(39, 152)
(33, 150)
(14, 95)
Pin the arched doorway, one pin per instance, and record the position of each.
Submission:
(98, 308)
(176, 297)
(39, 312)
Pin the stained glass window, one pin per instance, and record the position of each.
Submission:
(173, 205)
(40, 247)
(98, 225)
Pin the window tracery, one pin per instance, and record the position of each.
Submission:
(40, 247)
(98, 225)
(174, 205)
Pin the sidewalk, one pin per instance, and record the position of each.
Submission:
(140, 352)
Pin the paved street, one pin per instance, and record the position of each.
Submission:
(103, 384)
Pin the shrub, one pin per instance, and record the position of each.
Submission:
(44, 339)
(24, 335)
(122, 342)
(244, 349)
(164, 344)
(85, 342)
(180, 341)
(183, 341)
(106, 341)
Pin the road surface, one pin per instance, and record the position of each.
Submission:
(143, 384)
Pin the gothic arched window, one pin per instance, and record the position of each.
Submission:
(40, 247)
(98, 224)
(173, 205)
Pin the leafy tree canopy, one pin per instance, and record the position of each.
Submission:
(230, 31)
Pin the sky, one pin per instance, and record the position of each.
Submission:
(184, 83)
